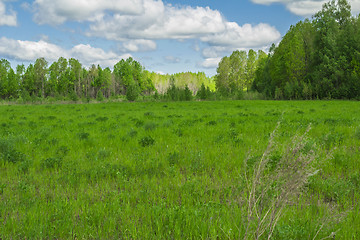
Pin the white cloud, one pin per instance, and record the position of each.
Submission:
(30, 51)
(246, 36)
(161, 21)
(137, 24)
(306, 7)
(172, 59)
(210, 62)
(139, 45)
(214, 51)
(90, 55)
(224, 43)
(7, 19)
(59, 11)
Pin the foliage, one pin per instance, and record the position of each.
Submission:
(68, 79)
(316, 59)
(237, 72)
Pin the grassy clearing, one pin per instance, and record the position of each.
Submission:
(178, 170)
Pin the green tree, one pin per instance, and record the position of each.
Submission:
(40, 72)
(251, 65)
(188, 95)
(202, 93)
(76, 75)
(4, 69)
(222, 78)
(29, 87)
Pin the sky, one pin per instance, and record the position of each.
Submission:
(165, 36)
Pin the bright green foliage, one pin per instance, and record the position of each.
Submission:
(237, 72)
(67, 79)
(132, 92)
(9, 85)
(315, 59)
(40, 71)
(193, 80)
(174, 170)
(130, 75)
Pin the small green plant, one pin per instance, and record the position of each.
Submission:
(8, 152)
(357, 133)
(102, 119)
(132, 133)
(173, 158)
(103, 154)
(83, 135)
(99, 96)
(52, 162)
(150, 126)
(146, 141)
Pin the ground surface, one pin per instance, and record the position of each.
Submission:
(171, 170)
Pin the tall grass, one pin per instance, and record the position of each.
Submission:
(178, 171)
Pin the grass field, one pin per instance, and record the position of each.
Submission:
(179, 170)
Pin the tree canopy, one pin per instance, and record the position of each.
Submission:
(316, 59)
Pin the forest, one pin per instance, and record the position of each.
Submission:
(318, 58)
(70, 80)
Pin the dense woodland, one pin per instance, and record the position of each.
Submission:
(69, 79)
(316, 59)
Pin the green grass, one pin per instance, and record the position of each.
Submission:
(171, 170)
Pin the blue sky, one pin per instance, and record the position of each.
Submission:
(166, 36)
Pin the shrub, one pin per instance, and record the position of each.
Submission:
(9, 154)
(83, 135)
(146, 141)
(73, 97)
(100, 96)
(132, 92)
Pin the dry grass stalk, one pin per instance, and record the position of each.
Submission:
(269, 194)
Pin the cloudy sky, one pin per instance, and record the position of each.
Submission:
(165, 36)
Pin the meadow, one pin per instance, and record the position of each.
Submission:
(180, 170)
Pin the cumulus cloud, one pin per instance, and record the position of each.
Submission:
(161, 21)
(90, 55)
(7, 19)
(58, 11)
(246, 36)
(138, 24)
(30, 51)
(306, 7)
(214, 51)
(138, 45)
(210, 62)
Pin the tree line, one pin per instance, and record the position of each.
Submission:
(316, 59)
(69, 79)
